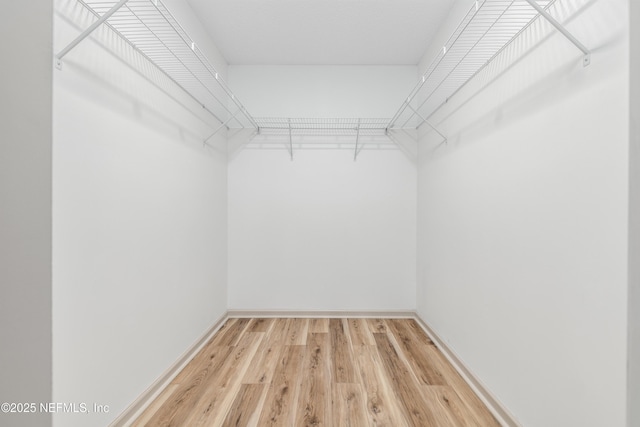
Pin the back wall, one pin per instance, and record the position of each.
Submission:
(322, 232)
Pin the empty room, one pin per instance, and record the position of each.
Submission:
(320, 213)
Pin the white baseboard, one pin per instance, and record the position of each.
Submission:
(385, 314)
(129, 415)
(499, 411)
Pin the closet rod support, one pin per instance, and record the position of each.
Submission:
(87, 32)
(587, 53)
(427, 122)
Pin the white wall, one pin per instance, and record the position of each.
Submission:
(522, 222)
(25, 209)
(634, 223)
(321, 91)
(139, 214)
(322, 232)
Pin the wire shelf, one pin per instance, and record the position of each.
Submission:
(150, 28)
(293, 134)
(486, 29)
(321, 126)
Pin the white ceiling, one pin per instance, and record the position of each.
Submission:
(384, 32)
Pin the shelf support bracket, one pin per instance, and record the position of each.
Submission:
(223, 125)
(290, 140)
(355, 154)
(427, 122)
(587, 53)
(87, 32)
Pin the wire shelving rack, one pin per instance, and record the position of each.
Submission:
(486, 29)
(150, 28)
(315, 132)
(322, 126)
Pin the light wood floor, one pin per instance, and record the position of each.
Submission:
(318, 372)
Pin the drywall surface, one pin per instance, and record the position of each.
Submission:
(139, 210)
(522, 222)
(25, 210)
(322, 232)
(321, 91)
(633, 381)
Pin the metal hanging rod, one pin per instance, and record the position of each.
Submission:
(487, 28)
(150, 28)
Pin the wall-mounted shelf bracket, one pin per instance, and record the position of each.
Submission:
(223, 125)
(86, 33)
(424, 120)
(587, 53)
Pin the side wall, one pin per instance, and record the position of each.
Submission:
(522, 221)
(25, 208)
(322, 232)
(139, 214)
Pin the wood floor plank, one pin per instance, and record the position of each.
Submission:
(360, 333)
(204, 358)
(259, 325)
(230, 333)
(481, 414)
(279, 407)
(377, 326)
(313, 408)
(155, 406)
(213, 404)
(319, 325)
(445, 407)
(278, 332)
(245, 408)
(348, 408)
(261, 369)
(297, 332)
(283, 372)
(418, 412)
(341, 353)
(381, 404)
(178, 406)
(414, 351)
(227, 333)
(449, 400)
(418, 333)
